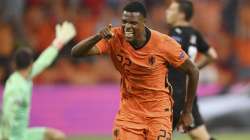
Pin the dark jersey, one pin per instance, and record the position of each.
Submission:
(188, 37)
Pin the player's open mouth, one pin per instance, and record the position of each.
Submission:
(129, 34)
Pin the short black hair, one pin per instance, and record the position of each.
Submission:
(23, 58)
(136, 7)
(187, 8)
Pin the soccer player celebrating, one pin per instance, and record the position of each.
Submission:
(140, 55)
(18, 90)
(178, 17)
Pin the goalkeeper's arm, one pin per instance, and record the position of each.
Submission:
(64, 33)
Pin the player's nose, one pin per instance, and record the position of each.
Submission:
(128, 25)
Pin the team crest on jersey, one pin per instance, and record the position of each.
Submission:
(151, 60)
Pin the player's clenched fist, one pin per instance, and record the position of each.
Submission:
(106, 33)
(186, 121)
(64, 33)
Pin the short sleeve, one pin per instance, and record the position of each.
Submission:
(202, 45)
(104, 45)
(174, 54)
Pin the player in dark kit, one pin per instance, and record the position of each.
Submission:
(178, 16)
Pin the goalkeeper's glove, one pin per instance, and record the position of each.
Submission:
(64, 33)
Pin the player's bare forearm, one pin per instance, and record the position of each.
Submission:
(208, 58)
(193, 76)
(87, 46)
(204, 61)
(84, 47)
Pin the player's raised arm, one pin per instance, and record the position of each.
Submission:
(64, 33)
(88, 46)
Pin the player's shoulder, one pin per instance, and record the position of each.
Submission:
(176, 30)
(10, 82)
(183, 30)
(164, 41)
(177, 33)
(14, 82)
(197, 34)
(14, 78)
(193, 31)
(160, 37)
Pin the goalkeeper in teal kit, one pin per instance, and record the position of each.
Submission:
(18, 90)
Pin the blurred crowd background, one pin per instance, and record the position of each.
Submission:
(30, 23)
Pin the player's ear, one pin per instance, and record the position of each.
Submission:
(143, 19)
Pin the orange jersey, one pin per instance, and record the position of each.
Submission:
(143, 71)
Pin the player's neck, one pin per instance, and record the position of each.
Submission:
(140, 41)
(24, 73)
(182, 23)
